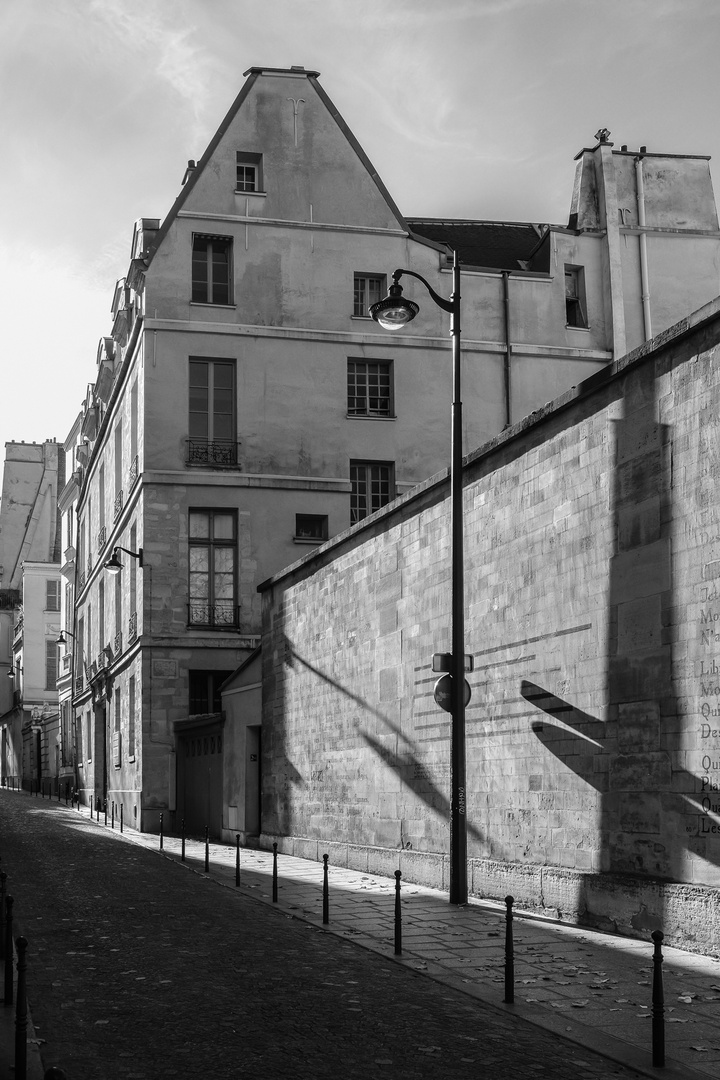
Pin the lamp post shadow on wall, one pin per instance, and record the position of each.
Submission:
(392, 313)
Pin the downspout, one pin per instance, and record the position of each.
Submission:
(508, 345)
(644, 284)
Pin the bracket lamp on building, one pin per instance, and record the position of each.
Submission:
(114, 566)
(392, 313)
(11, 673)
(61, 639)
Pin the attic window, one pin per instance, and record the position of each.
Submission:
(248, 172)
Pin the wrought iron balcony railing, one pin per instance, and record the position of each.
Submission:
(117, 510)
(218, 453)
(218, 616)
(78, 684)
(133, 473)
(102, 538)
(132, 628)
(118, 643)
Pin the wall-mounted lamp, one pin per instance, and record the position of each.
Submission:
(114, 566)
(61, 640)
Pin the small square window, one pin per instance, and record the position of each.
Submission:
(311, 527)
(575, 306)
(369, 388)
(248, 175)
(369, 288)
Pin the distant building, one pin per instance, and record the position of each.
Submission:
(30, 613)
(246, 408)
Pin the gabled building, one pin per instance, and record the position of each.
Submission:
(246, 407)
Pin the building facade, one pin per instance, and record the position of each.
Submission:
(246, 407)
(30, 613)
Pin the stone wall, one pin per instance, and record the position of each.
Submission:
(592, 539)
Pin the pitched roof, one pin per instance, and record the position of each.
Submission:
(496, 245)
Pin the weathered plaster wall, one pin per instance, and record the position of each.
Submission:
(592, 556)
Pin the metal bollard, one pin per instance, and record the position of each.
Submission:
(121, 817)
(658, 1003)
(97, 807)
(104, 808)
(112, 817)
(67, 791)
(182, 833)
(91, 808)
(207, 850)
(3, 879)
(398, 915)
(8, 951)
(274, 877)
(509, 998)
(326, 896)
(21, 1022)
(237, 859)
(161, 832)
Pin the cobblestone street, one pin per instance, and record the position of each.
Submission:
(139, 968)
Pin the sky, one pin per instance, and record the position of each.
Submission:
(467, 108)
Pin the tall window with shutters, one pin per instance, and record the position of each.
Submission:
(212, 270)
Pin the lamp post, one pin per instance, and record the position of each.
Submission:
(392, 313)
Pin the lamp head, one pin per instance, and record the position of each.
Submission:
(11, 675)
(395, 310)
(113, 565)
(61, 640)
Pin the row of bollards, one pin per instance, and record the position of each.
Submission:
(17, 993)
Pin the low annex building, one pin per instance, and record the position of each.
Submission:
(592, 533)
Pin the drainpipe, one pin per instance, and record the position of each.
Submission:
(508, 345)
(644, 285)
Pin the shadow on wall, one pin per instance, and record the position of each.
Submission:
(651, 807)
(405, 763)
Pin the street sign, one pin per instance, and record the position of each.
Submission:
(443, 692)
(442, 661)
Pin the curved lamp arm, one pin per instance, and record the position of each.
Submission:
(447, 305)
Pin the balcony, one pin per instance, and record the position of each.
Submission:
(78, 684)
(132, 628)
(220, 616)
(133, 473)
(102, 538)
(118, 643)
(117, 510)
(18, 630)
(82, 579)
(222, 453)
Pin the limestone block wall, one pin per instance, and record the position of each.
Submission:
(592, 534)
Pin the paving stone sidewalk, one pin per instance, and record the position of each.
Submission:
(592, 989)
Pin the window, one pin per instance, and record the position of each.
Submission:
(248, 172)
(212, 542)
(51, 665)
(371, 485)
(575, 308)
(369, 388)
(117, 736)
(311, 527)
(211, 424)
(368, 289)
(52, 595)
(205, 691)
(79, 733)
(88, 740)
(131, 717)
(211, 259)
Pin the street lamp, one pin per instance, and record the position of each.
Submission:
(61, 639)
(392, 313)
(114, 566)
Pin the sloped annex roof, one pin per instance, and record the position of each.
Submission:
(494, 245)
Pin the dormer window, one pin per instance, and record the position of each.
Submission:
(248, 172)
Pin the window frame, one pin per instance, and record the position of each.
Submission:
(363, 299)
(385, 371)
(213, 544)
(246, 160)
(207, 283)
(301, 537)
(575, 301)
(208, 449)
(356, 464)
(52, 662)
(52, 603)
